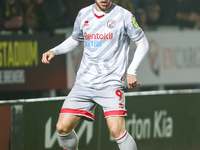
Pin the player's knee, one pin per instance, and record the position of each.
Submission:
(62, 129)
(116, 131)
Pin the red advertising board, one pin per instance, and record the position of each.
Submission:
(5, 118)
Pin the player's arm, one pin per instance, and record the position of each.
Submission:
(141, 50)
(68, 45)
(137, 35)
(65, 47)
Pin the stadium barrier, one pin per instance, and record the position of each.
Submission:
(158, 120)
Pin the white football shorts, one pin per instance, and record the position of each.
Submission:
(81, 101)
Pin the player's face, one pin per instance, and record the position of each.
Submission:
(103, 5)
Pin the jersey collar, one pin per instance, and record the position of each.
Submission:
(100, 14)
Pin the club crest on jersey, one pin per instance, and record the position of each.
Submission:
(111, 24)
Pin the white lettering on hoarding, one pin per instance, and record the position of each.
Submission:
(12, 77)
(88, 127)
(161, 126)
(141, 128)
(50, 138)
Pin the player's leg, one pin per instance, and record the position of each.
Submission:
(76, 106)
(65, 128)
(112, 100)
(124, 140)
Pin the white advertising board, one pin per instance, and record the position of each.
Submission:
(173, 58)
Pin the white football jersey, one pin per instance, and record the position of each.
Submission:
(106, 45)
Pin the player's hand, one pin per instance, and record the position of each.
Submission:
(132, 81)
(46, 57)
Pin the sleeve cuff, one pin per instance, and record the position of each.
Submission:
(132, 72)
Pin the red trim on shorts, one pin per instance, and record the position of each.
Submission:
(78, 112)
(121, 136)
(115, 113)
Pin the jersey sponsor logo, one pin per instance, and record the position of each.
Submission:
(111, 24)
(134, 22)
(104, 36)
(93, 43)
(95, 40)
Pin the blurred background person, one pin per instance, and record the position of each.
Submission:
(134, 7)
(26, 8)
(51, 15)
(152, 13)
(127, 4)
(44, 15)
(10, 17)
(184, 13)
(139, 13)
(73, 6)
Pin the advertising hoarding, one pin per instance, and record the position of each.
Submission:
(21, 67)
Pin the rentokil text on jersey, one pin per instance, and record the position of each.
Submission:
(108, 36)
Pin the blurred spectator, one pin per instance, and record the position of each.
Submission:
(196, 6)
(74, 6)
(143, 3)
(44, 15)
(152, 12)
(133, 7)
(147, 13)
(10, 18)
(136, 4)
(180, 12)
(139, 13)
(52, 14)
(127, 4)
(27, 11)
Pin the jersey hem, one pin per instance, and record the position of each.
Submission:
(122, 86)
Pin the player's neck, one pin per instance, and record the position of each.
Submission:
(97, 8)
(99, 13)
